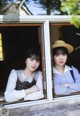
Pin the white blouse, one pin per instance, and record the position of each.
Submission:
(11, 94)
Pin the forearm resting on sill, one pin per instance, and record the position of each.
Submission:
(31, 90)
(59, 95)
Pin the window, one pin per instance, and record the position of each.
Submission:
(17, 38)
(70, 34)
(41, 32)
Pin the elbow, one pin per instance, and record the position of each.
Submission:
(7, 98)
(59, 92)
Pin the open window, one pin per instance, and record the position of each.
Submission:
(16, 39)
(70, 34)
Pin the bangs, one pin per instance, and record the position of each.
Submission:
(34, 56)
(34, 53)
(60, 50)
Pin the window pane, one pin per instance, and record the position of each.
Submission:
(70, 35)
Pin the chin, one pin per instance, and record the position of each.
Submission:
(33, 70)
(61, 64)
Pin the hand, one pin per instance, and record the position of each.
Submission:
(31, 90)
(66, 85)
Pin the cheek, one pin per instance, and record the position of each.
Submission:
(66, 58)
(27, 62)
(55, 59)
(37, 64)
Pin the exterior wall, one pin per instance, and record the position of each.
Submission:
(13, 9)
(23, 12)
(65, 107)
(48, 109)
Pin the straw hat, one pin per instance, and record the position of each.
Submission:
(61, 43)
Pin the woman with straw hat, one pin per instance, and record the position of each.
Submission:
(66, 78)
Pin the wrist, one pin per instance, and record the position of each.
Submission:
(26, 91)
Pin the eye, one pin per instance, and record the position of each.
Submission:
(64, 54)
(37, 60)
(31, 59)
(57, 55)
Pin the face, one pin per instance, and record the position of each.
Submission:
(60, 59)
(32, 64)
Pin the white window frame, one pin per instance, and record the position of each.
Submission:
(45, 20)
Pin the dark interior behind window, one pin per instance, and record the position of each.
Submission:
(16, 40)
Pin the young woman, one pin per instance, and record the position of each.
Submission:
(64, 82)
(26, 83)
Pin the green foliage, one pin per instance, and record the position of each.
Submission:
(72, 7)
(75, 20)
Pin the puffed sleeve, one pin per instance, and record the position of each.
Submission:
(11, 94)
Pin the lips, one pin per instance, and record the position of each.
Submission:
(61, 62)
(33, 67)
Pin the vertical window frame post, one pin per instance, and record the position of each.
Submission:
(48, 60)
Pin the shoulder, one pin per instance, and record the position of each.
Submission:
(38, 74)
(68, 67)
(75, 69)
(71, 68)
(14, 72)
(12, 75)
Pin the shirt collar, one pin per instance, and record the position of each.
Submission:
(28, 78)
(67, 68)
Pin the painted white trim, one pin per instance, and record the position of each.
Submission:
(57, 101)
(43, 18)
(40, 19)
(22, 104)
(1, 18)
(48, 60)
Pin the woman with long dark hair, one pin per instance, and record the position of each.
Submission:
(26, 83)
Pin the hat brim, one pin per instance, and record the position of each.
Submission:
(67, 46)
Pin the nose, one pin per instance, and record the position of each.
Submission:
(61, 56)
(34, 62)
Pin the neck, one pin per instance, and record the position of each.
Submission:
(60, 69)
(27, 72)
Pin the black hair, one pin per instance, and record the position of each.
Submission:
(33, 52)
(60, 50)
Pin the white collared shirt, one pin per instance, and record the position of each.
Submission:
(67, 68)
